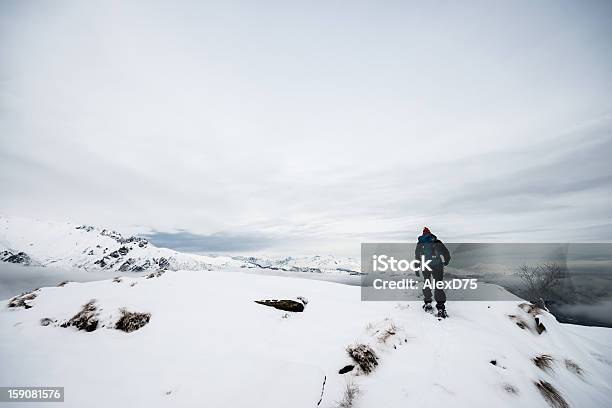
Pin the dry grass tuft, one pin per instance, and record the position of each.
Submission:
(530, 308)
(551, 395)
(388, 332)
(350, 393)
(573, 367)
(519, 321)
(21, 300)
(543, 361)
(86, 319)
(132, 321)
(364, 356)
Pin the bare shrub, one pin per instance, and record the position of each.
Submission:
(21, 300)
(132, 321)
(573, 367)
(86, 319)
(364, 356)
(350, 393)
(543, 362)
(551, 395)
(540, 281)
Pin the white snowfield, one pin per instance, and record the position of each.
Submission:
(208, 344)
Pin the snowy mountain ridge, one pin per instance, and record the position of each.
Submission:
(33, 242)
(316, 263)
(86, 247)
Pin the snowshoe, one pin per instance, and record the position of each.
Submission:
(428, 308)
(442, 314)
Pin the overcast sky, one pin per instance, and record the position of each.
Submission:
(309, 127)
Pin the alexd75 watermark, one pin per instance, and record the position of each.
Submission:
(413, 284)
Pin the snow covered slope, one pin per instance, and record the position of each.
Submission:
(83, 246)
(209, 344)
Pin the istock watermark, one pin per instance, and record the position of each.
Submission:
(384, 263)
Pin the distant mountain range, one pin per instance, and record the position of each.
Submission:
(42, 243)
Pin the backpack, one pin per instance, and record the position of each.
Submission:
(430, 250)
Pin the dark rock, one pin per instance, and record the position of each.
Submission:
(283, 304)
(127, 264)
(346, 369)
(162, 263)
(143, 267)
(123, 250)
(18, 258)
(155, 274)
(540, 328)
(45, 321)
(101, 262)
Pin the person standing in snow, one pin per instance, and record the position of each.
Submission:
(431, 248)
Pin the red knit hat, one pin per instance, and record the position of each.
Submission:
(426, 231)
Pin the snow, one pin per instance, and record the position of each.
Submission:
(209, 344)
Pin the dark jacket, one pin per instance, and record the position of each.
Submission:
(438, 249)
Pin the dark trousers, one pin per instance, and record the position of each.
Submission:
(439, 295)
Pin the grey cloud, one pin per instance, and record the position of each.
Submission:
(326, 136)
(582, 167)
(211, 243)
